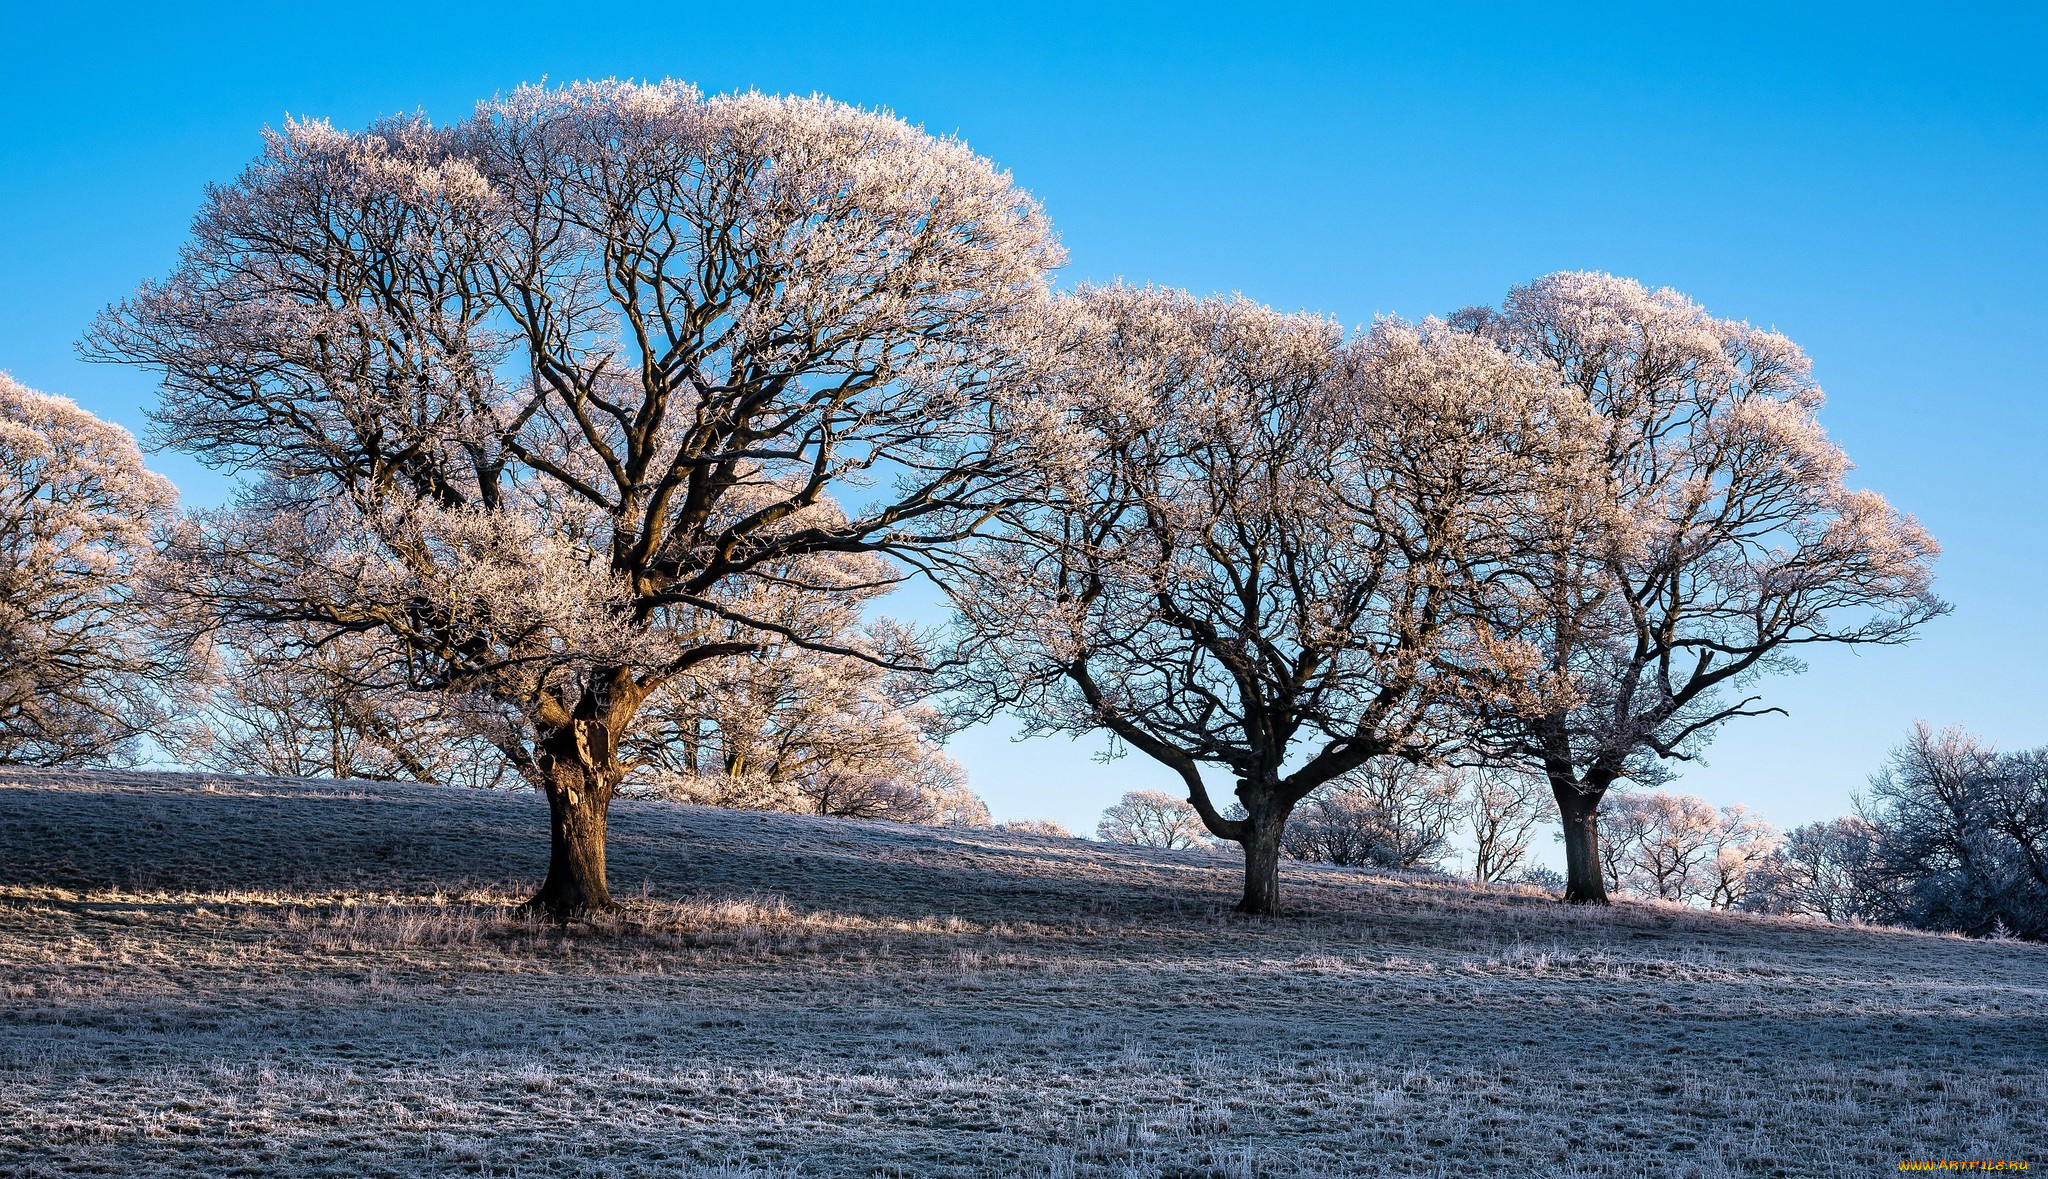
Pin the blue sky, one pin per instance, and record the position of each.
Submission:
(1872, 181)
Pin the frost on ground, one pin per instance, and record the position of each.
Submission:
(221, 976)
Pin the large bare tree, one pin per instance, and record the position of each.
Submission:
(1712, 537)
(537, 397)
(81, 678)
(1257, 548)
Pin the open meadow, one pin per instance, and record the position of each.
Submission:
(237, 976)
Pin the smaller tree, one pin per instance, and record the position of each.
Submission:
(1503, 808)
(1953, 836)
(819, 718)
(1675, 841)
(282, 703)
(1677, 847)
(1827, 870)
(936, 795)
(1336, 826)
(1624, 826)
(1717, 538)
(1739, 847)
(1930, 806)
(2018, 808)
(1254, 550)
(1150, 818)
(1539, 877)
(1388, 814)
(80, 678)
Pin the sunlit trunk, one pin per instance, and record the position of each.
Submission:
(580, 774)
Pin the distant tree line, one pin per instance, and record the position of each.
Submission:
(577, 441)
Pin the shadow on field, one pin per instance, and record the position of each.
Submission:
(139, 832)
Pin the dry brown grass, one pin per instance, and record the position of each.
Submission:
(220, 976)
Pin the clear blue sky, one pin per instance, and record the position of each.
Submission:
(1872, 181)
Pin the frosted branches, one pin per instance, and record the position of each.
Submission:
(1715, 536)
(556, 384)
(1255, 546)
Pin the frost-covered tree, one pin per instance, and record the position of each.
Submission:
(1740, 847)
(1827, 870)
(1388, 813)
(1152, 818)
(804, 732)
(1037, 827)
(1625, 824)
(1669, 840)
(1962, 835)
(1952, 836)
(538, 398)
(81, 679)
(1256, 547)
(1712, 537)
(1678, 847)
(1503, 809)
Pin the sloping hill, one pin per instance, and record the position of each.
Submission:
(211, 975)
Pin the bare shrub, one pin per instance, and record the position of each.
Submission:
(1036, 827)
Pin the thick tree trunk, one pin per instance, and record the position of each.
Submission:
(1262, 863)
(1579, 811)
(580, 775)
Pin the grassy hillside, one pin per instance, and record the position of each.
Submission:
(221, 976)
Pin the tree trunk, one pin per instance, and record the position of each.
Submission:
(1579, 811)
(1262, 863)
(692, 744)
(580, 773)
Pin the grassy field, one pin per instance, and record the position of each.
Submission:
(224, 976)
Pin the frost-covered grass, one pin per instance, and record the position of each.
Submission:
(206, 975)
